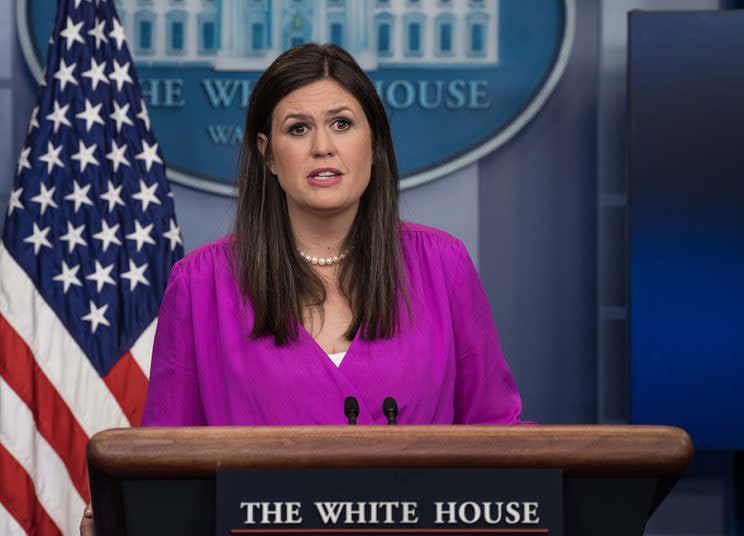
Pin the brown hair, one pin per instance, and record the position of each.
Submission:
(268, 267)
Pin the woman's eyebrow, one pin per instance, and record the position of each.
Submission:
(339, 109)
(295, 116)
(305, 117)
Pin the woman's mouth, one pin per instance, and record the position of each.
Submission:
(324, 177)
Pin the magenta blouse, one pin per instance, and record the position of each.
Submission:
(443, 367)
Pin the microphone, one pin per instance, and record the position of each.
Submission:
(351, 409)
(390, 409)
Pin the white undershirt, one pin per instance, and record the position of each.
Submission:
(337, 358)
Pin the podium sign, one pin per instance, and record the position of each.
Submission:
(389, 501)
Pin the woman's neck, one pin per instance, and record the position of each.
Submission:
(321, 234)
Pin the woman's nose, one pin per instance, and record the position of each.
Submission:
(322, 143)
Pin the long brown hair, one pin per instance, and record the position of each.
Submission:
(268, 267)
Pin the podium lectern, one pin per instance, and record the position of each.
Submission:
(162, 480)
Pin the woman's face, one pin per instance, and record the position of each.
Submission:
(321, 148)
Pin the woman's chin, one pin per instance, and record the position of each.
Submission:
(330, 206)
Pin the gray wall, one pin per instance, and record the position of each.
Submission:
(537, 241)
(8, 152)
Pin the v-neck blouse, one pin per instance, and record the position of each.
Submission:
(443, 366)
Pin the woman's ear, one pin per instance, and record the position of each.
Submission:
(262, 142)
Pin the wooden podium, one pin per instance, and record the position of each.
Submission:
(162, 480)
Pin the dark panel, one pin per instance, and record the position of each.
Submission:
(169, 506)
(687, 223)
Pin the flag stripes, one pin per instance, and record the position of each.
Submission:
(20, 502)
(9, 526)
(51, 481)
(129, 386)
(53, 418)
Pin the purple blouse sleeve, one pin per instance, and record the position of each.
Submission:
(173, 397)
(485, 392)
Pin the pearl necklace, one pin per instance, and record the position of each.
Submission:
(323, 261)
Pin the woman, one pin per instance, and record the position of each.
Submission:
(320, 292)
(248, 323)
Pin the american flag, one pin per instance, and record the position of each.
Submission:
(90, 237)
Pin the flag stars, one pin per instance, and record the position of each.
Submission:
(102, 276)
(121, 116)
(85, 155)
(68, 276)
(141, 235)
(173, 234)
(144, 115)
(79, 196)
(51, 157)
(96, 316)
(117, 155)
(71, 33)
(45, 198)
(38, 238)
(135, 275)
(98, 33)
(64, 74)
(117, 34)
(112, 196)
(23, 160)
(95, 73)
(107, 235)
(149, 154)
(146, 195)
(34, 122)
(121, 75)
(73, 237)
(59, 116)
(91, 114)
(15, 201)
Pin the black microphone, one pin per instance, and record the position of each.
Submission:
(351, 409)
(390, 409)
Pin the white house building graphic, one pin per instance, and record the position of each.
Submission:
(246, 35)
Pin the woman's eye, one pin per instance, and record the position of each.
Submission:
(298, 130)
(343, 124)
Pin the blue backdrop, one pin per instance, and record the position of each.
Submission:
(687, 223)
